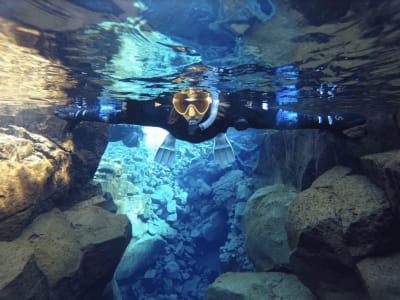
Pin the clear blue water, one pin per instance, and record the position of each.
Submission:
(313, 56)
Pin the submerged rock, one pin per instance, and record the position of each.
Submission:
(340, 218)
(381, 276)
(37, 172)
(297, 156)
(384, 170)
(258, 285)
(139, 256)
(264, 226)
(33, 169)
(21, 278)
(64, 255)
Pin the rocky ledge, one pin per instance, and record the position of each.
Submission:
(68, 254)
(54, 244)
(343, 231)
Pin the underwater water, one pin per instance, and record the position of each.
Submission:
(312, 57)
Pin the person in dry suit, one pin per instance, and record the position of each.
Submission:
(196, 115)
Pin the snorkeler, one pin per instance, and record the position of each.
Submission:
(196, 115)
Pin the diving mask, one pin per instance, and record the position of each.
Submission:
(192, 103)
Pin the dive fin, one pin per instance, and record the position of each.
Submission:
(223, 151)
(166, 153)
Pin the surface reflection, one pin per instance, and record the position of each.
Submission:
(26, 76)
(342, 55)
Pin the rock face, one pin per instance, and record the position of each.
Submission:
(298, 157)
(264, 222)
(20, 277)
(381, 276)
(306, 154)
(384, 170)
(139, 256)
(258, 285)
(37, 171)
(63, 255)
(33, 170)
(340, 219)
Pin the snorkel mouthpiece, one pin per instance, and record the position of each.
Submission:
(192, 126)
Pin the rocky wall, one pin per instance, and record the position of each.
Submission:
(338, 232)
(298, 157)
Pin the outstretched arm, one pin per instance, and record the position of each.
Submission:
(285, 119)
(116, 112)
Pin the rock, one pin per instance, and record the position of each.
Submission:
(214, 228)
(172, 217)
(38, 172)
(384, 170)
(381, 276)
(73, 253)
(139, 256)
(191, 285)
(361, 209)
(171, 207)
(243, 190)
(103, 238)
(109, 176)
(198, 187)
(260, 285)
(264, 222)
(182, 198)
(296, 156)
(20, 276)
(240, 208)
(171, 267)
(340, 218)
(150, 274)
(89, 142)
(33, 170)
(160, 227)
(163, 195)
(224, 190)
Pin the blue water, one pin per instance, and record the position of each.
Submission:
(309, 56)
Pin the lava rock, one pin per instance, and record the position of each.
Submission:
(33, 170)
(340, 218)
(257, 285)
(381, 276)
(21, 277)
(139, 256)
(297, 157)
(384, 170)
(65, 255)
(163, 195)
(264, 226)
(214, 228)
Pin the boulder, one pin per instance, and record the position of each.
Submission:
(163, 195)
(339, 219)
(20, 276)
(381, 276)
(139, 256)
(38, 171)
(33, 170)
(65, 255)
(224, 190)
(214, 228)
(258, 285)
(384, 170)
(264, 222)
